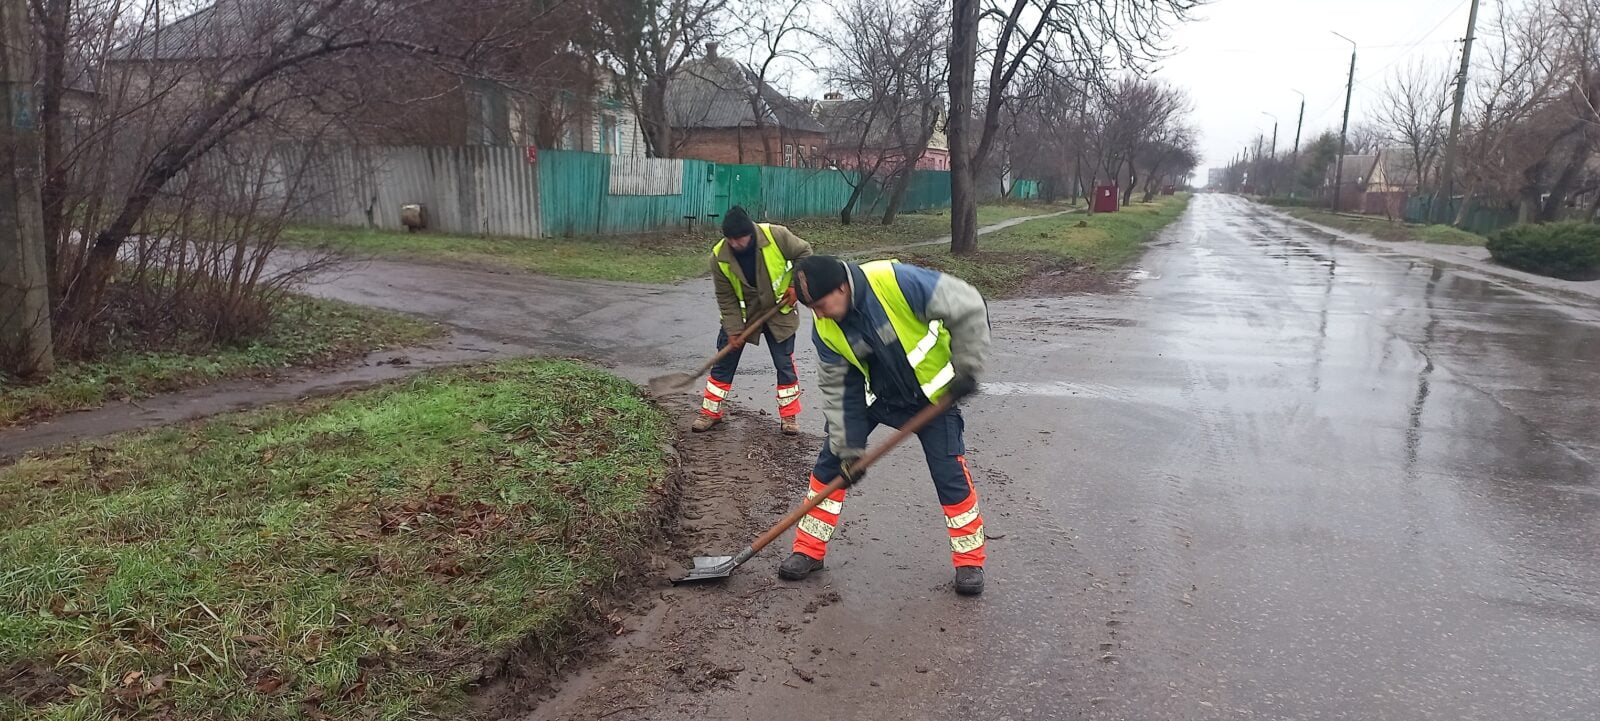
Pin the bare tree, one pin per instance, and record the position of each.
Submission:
(1075, 39)
(1412, 111)
(647, 43)
(886, 64)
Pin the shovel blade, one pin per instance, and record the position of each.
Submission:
(671, 383)
(708, 568)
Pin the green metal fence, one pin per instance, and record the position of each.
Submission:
(1482, 218)
(575, 198)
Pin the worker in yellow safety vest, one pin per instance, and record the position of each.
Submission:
(893, 338)
(750, 270)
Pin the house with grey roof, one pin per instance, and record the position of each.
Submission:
(723, 112)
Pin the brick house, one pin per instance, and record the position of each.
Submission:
(722, 112)
(543, 97)
(857, 136)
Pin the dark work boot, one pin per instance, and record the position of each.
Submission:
(969, 580)
(797, 566)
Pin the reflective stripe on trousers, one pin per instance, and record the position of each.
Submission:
(965, 523)
(814, 531)
(716, 394)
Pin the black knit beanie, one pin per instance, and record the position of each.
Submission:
(818, 275)
(736, 223)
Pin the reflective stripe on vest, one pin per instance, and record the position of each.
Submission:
(927, 345)
(777, 269)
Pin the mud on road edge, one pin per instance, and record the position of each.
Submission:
(642, 643)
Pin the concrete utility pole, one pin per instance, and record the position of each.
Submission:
(1447, 179)
(24, 289)
(1297, 123)
(1344, 128)
(1273, 153)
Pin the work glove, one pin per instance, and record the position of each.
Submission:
(789, 297)
(736, 341)
(961, 386)
(852, 474)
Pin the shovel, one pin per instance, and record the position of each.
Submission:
(672, 382)
(713, 568)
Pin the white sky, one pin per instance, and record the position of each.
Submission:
(1239, 58)
(1243, 57)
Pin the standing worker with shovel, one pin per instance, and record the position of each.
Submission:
(750, 271)
(892, 341)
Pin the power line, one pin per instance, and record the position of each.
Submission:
(1417, 43)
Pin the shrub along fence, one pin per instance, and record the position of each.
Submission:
(518, 191)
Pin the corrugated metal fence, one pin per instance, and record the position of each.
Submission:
(484, 190)
(1481, 218)
(478, 189)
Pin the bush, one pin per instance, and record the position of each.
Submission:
(1569, 250)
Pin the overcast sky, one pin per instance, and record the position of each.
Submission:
(1239, 58)
(1243, 57)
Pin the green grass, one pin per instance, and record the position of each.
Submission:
(1385, 229)
(638, 258)
(1009, 259)
(360, 557)
(307, 332)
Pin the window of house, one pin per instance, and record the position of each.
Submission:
(609, 137)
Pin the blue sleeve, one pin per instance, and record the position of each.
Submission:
(917, 283)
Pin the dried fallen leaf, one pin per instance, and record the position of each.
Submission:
(269, 684)
(132, 677)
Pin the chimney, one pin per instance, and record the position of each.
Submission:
(711, 51)
(833, 96)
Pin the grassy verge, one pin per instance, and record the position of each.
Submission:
(358, 557)
(638, 258)
(1011, 261)
(1385, 229)
(308, 332)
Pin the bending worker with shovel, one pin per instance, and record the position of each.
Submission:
(891, 340)
(750, 271)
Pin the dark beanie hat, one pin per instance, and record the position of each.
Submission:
(736, 223)
(818, 275)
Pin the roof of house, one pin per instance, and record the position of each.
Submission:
(715, 92)
(229, 28)
(851, 121)
(1357, 168)
(1398, 166)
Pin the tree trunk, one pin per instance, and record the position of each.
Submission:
(53, 189)
(850, 205)
(963, 55)
(897, 194)
(1465, 209)
(1569, 174)
(25, 333)
(1133, 180)
(657, 123)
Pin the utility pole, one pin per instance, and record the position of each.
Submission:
(25, 346)
(1273, 153)
(1294, 159)
(1344, 128)
(1447, 181)
(1298, 121)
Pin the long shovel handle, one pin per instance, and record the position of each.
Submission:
(922, 418)
(750, 329)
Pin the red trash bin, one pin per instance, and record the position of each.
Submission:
(1105, 199)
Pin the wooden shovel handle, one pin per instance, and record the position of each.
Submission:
(750, 329)
(910, 427)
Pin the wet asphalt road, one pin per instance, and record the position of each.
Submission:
(1283, 478)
